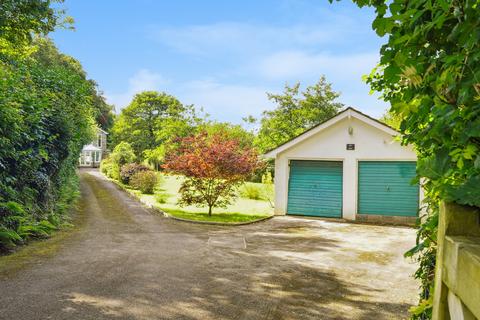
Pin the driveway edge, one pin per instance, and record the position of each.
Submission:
(169, 216)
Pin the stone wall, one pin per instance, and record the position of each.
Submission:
(379, 219)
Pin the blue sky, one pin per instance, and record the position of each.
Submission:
(223, 55)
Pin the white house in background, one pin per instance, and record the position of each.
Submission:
(350, 166)
(94, 152)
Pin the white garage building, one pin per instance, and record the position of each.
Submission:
(350, 166)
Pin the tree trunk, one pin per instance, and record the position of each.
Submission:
(209, 210)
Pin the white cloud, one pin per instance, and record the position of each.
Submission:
(224, 101)
(301, 64)
(145, 80)
(244, 38)
(248, 60)
(343, 71)
(142, 80)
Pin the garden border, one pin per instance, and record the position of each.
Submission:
(217, 223)
(169, 216)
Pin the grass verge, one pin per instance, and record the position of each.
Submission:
(39, 249)
(228, 217)
(241, 210)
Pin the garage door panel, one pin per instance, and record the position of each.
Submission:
(308, 197)
(315, 188)
(314, 203)
(386, 188)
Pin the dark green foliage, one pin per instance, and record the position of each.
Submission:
(130, 169)
(151, 120)
(145, 181)
(44, 122)
(269, 167)
(48, 55)
(425, 252)
(429, 71)
(45, 119)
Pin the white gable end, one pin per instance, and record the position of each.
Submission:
(350, 138)
(331, 143)
(349, 114)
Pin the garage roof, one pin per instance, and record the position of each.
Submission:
(347, 113)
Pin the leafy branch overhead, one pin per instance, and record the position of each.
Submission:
(430, 73)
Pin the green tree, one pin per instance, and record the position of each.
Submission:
(48, 55)
(429, 71)
(150, 120)
(232, 131)
(296, 112)
(20, 20)
(214, 165)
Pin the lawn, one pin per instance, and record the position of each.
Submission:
(231, 217)
(241, 210)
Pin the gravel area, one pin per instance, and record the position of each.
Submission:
(125, 262)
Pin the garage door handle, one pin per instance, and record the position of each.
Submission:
(388, 188)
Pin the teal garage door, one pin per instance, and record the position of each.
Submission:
(315, 188)
(385, 188)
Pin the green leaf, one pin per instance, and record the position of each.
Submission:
(476, 163)
(8, 237)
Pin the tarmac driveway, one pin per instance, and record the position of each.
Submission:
(124, 262)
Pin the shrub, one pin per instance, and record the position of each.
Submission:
(145, 181)
(269, 187)
(121, 155)
(127, 171)
(106, 167)
(162, 197)
(18, 226)
(252, 191)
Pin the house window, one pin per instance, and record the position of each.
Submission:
(99, 140)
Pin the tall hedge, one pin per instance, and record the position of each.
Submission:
(46, 116)
(45, 119)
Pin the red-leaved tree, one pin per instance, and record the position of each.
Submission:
(213, 165)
